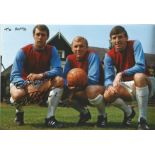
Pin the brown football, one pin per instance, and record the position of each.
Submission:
(76, 77)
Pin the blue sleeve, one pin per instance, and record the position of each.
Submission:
(16, 72)
(55, 65)
(139, 66)
(66, 70)
(109, 71)
(93, 69)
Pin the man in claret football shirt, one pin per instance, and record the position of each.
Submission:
(37, 68)
(92, 93)
(126, 76)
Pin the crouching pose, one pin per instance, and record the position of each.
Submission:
(131, 81)
(36, 75)
(91, 93)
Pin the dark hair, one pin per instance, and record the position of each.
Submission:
(118, 29)
(42, 28)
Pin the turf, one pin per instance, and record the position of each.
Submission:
(35, 115)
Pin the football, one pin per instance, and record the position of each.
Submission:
(76, 77)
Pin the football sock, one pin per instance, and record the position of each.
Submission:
(19, 109)
(142, 94)
(18, 106)
(101, 109)
(12, 100)
(53, 101)
(98, 102)
(120, 103)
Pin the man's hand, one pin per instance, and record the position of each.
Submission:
(117, 79)
(33, 77)
(110, 94)
(123, 93)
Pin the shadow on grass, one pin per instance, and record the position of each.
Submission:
(66, 126)
(120, 126)
(86, 126)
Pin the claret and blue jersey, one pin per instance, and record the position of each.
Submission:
(91, 64)
(29, 60)
(129, 62)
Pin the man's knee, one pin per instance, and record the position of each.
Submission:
(15, 93)
(97, 100)
(58, 82)
(123, 93)
(94, 91)
(140, 80)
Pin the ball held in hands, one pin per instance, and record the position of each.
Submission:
(77, 77)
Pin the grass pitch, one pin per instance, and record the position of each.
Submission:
(35, 115)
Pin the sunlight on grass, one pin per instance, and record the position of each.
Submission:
(35, 115)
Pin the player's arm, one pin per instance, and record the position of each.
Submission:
(55, 65)
(93, 69)
(118, 79)
(16, 72)
(139, 66)
(110, 94)
(66, 70)
(109, 72)
(33, 76)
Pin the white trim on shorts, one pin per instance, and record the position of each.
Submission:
(129, 85)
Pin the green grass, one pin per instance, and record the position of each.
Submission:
(35, 115)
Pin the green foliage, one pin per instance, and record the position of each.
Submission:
(35, 115)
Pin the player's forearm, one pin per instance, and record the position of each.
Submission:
(53, 73)
(135, 69)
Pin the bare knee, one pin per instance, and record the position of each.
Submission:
(93, 91)
(17, 94)
(123, 93)
(140, 80)
(90, 92)
(58, 82)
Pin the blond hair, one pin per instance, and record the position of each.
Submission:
(80, 38)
